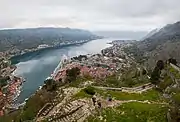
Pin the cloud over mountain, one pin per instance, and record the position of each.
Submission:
(89, 14)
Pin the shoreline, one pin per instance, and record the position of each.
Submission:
(70, 59)
(13, 57)
(18, 88)
(57, 68)
(11, 92)
(110, 69)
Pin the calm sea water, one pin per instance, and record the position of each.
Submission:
(36, 67)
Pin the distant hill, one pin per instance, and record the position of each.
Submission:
(170, 32)
(163, 44)
(150, 33)
(31, 38)
(122, 34)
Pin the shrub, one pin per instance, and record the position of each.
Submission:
(72, 74)
(173, 61)
(160, 64)
(155, 75)
(144, 72)
(89, 90)
(3, 81)
(176, 98)
(50, 85)
(167, 82)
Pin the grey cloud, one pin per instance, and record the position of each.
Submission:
(89, 14)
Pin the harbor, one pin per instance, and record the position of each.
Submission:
(36, 68)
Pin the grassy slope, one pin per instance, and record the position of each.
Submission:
(174, 72)
(133, 112)
(79, 81)
(151, 95)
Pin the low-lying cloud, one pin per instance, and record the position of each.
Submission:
(136, 15)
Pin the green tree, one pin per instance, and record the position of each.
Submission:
(160, 64)
(144, 72)
(72, 74)
(155, 76)
(50, 85)
(89, 90)
(173, 61)
(3, 81)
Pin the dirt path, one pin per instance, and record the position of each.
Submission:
(138, 89)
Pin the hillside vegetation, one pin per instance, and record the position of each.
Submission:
(30, 38)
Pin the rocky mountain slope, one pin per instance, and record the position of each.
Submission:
(137, 35)
(163, 44)
(31, 38)
(169, 32)
(150, 33)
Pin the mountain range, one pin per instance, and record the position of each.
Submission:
(150, 33)
(161, 44)
(30, 38)
(134, 35)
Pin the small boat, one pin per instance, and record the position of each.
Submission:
(26, 99)
(48, 78)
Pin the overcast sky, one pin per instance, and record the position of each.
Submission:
(134, 15)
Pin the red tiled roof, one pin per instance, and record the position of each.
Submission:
(1, 93)
(1, 113)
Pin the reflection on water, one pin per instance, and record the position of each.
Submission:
(35, 69)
